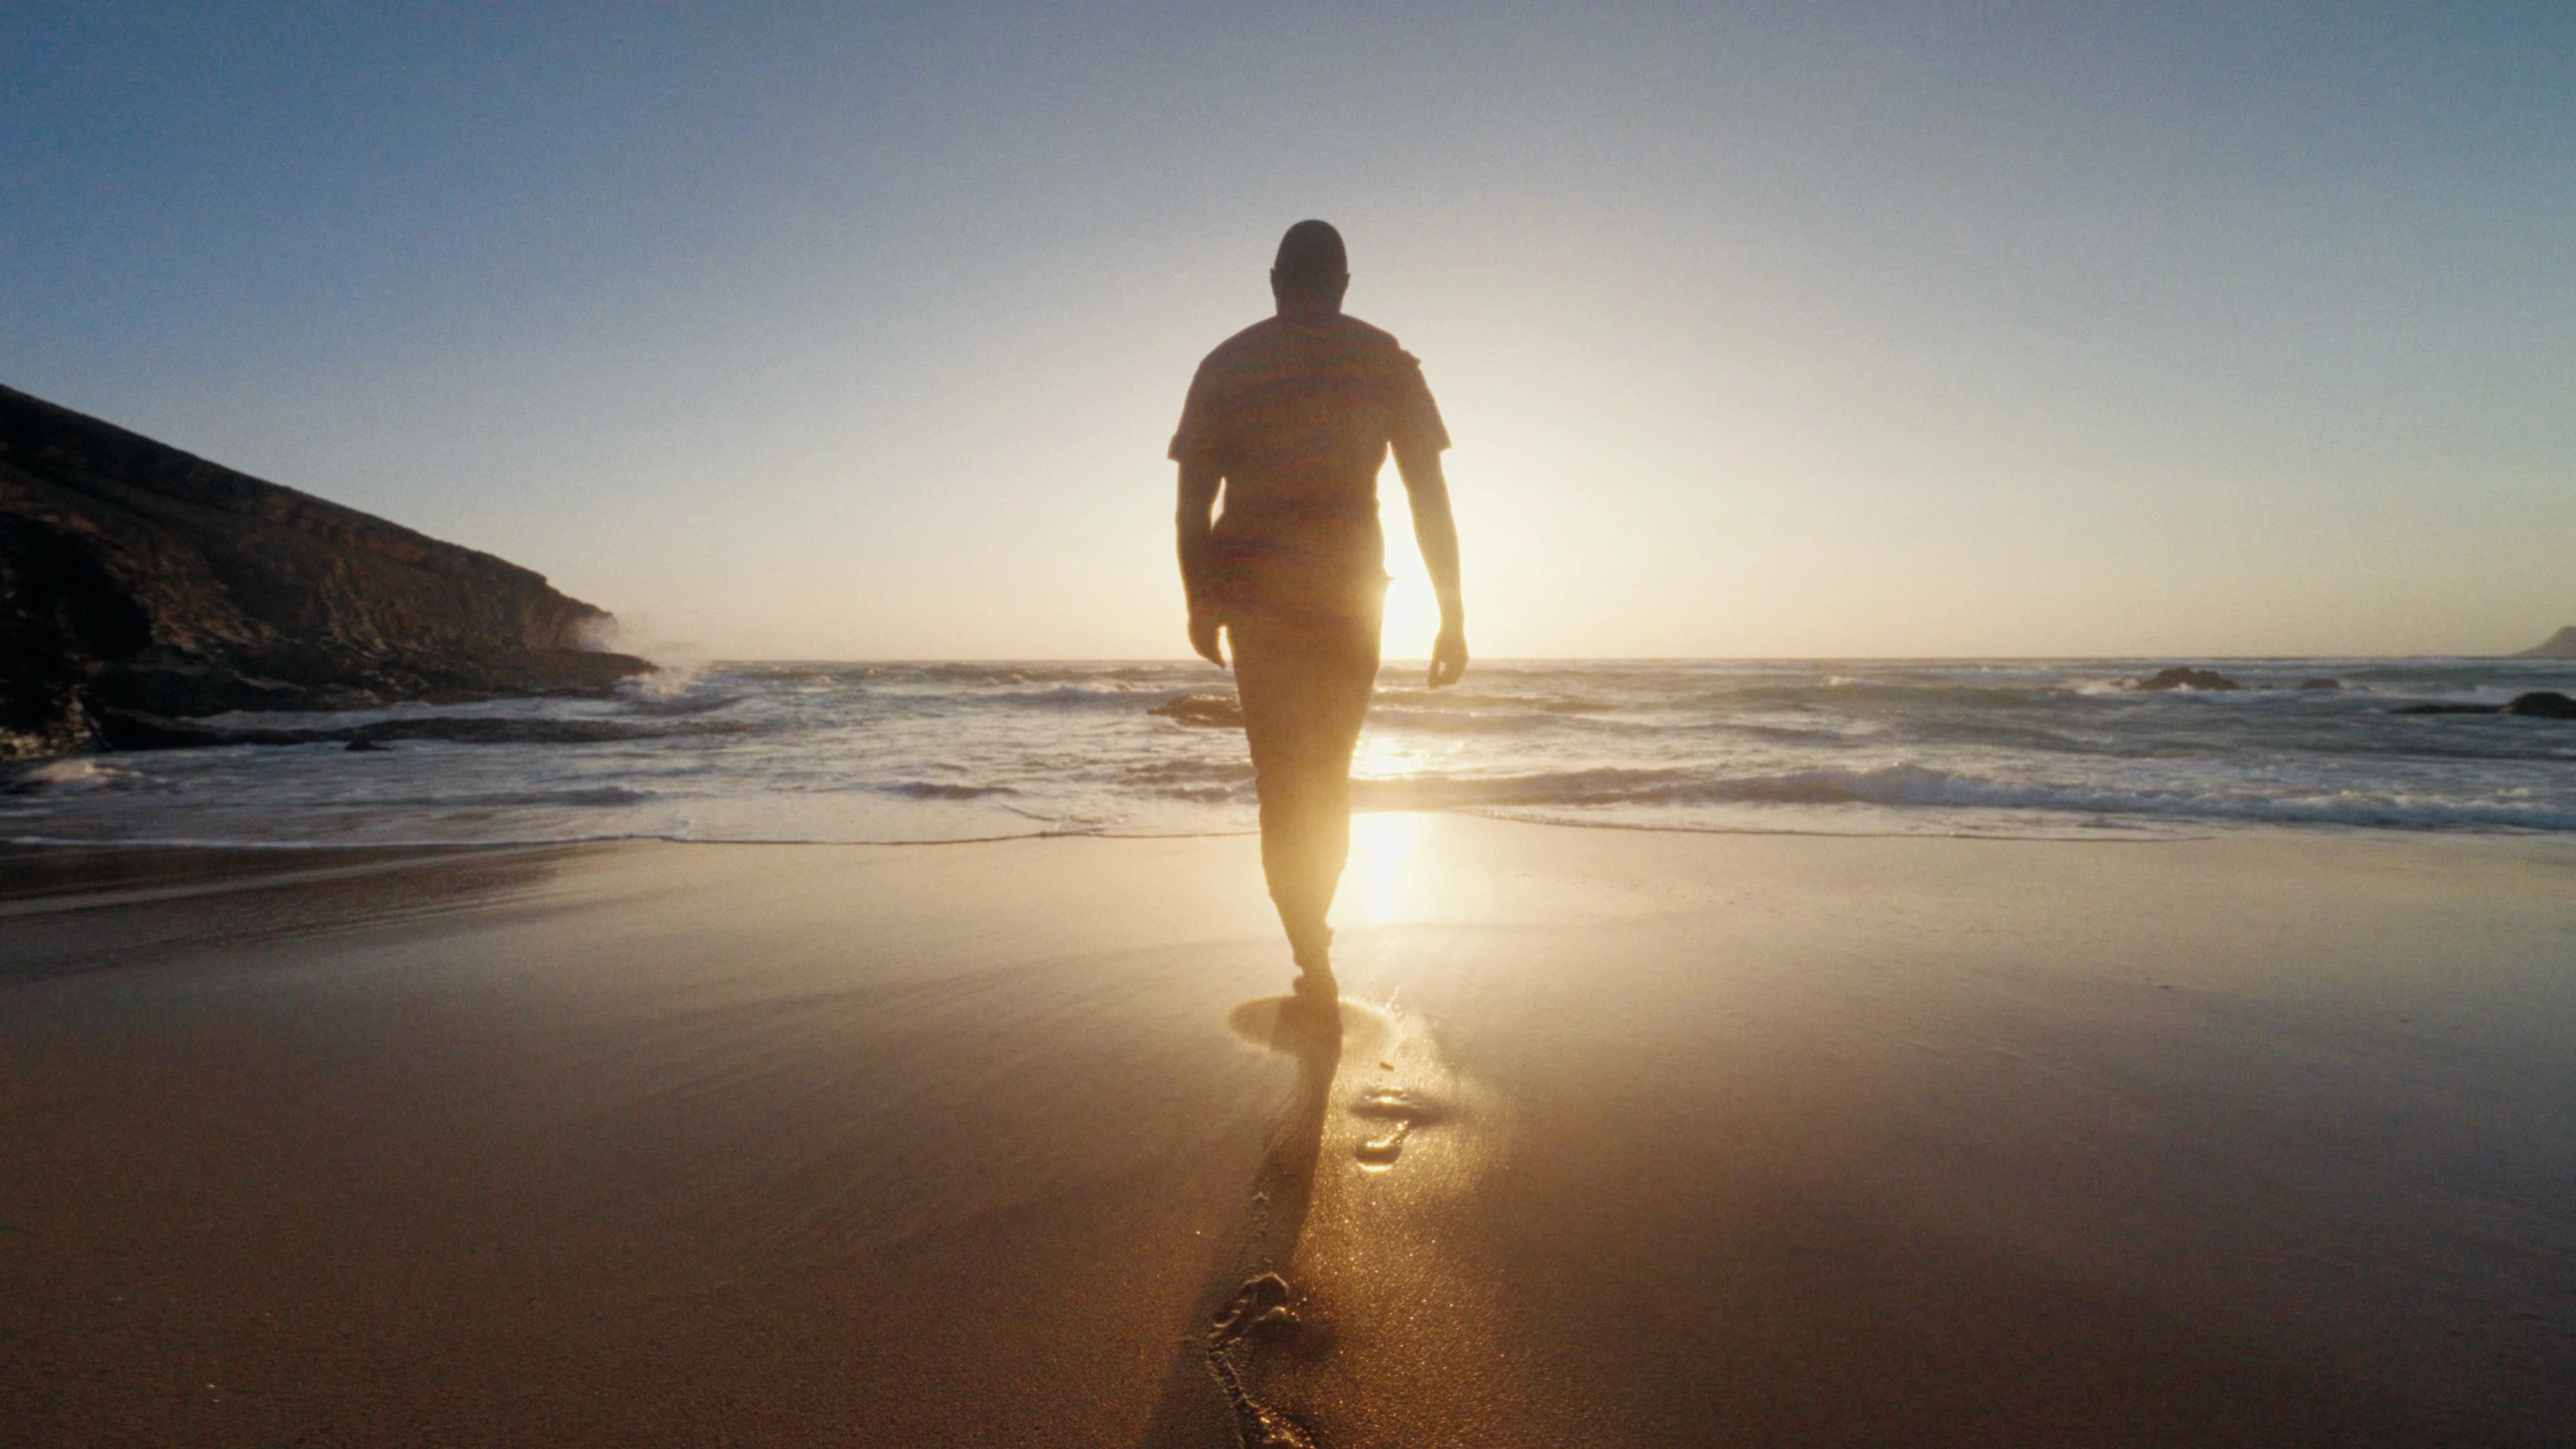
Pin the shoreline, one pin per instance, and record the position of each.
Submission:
(2099, 831)
(1629, 1138)
(944, 753)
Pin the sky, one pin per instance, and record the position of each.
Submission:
(858, 331)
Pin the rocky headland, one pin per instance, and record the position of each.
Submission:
(139, 583)
(2561, 645)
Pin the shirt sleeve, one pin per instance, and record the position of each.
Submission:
(1414, 425)
(1202, 423)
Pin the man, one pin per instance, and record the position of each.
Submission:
(1292, 418)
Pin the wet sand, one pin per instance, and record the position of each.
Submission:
(1624, 1139)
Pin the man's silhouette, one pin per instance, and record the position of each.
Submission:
(1292, 417)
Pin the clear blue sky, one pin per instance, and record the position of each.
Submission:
(855, 331)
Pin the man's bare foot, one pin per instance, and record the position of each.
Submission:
(1314, 1001)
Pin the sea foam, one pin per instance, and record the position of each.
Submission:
(965, 751)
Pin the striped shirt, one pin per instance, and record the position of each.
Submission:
(1297, 413)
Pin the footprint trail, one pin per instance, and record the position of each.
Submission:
(1347, 1214)
(1260, 1310)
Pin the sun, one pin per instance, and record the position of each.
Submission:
(1412, 610)
(1412, 616)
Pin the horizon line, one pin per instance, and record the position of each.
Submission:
(1639, 659)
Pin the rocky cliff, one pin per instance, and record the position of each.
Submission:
(135, 577)
(2561, 645)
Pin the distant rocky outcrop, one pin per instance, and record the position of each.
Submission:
(136, 577)
(2531, 704)
(2179, 677)
(2561, 645)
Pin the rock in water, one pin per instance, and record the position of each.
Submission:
(2561, 645)
(136, 576)
(2179, 677)
(2533, 704)
(1215, 711)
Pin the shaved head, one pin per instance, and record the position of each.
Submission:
(1311, 252)
(1311, 266)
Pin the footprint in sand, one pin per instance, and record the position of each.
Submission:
(1286, 1024)
(1402, 1111)
(1260, 1308)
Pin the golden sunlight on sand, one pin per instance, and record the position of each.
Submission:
(1385, 881)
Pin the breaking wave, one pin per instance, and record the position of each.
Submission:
(897, 752)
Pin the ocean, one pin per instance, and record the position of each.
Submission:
(922, 752)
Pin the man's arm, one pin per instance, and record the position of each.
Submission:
(1199, 482)
(1426, 489)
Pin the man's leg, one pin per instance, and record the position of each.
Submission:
(1305, 692)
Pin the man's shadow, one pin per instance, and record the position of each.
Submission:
(1244, 1308)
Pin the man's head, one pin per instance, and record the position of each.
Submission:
(1312, 271)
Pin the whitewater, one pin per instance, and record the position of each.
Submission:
(897, 752)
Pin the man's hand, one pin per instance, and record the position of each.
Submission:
(1199, 483)
(1427, 489)
(1448, 655)
(1203, 638)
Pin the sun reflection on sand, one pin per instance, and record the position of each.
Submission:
(1385, 869)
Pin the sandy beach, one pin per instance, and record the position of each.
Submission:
(1627, 1138)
